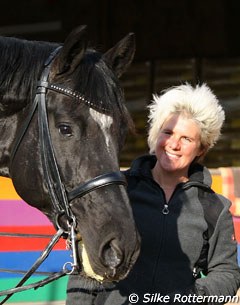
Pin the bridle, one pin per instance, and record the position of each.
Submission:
(60, 197)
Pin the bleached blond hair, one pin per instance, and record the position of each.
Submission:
(198, 103)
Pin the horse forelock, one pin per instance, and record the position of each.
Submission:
(100, 85)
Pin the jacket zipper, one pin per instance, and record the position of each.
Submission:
(182, 186)
(165, 209)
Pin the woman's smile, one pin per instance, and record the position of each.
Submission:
(178, 144)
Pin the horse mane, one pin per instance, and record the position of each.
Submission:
(21, 65)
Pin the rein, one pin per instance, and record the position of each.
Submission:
(60, 198)
(35, 266)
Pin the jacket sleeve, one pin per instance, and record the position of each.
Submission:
(77, 292)
(223, 278)
(83, 291)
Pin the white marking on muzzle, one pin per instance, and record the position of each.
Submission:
(87, 266)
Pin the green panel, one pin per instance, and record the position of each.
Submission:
(55, 291)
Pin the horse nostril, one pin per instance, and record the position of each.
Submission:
(112, 255)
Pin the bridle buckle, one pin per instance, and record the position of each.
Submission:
(72, 244)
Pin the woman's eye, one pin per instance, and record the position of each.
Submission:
(186, 139)
(65, 130)
(167, 132)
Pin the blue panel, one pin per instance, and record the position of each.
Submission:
(24, 260)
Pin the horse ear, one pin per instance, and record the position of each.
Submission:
(72, 51)
(121, 55)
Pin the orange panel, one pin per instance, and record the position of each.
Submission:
(217, 183)
(7, 190)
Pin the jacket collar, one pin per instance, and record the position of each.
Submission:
(143, 165)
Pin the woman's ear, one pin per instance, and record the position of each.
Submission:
(202, 153)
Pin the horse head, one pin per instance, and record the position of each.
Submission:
(85, 126)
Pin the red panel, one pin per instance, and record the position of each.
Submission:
(236, 222)
(28, 244)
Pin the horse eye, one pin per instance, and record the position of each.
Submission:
(65, 130)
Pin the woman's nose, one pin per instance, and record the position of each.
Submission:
(174, 143)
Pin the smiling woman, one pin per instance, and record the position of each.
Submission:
(188, 245)
(199, 104)
(178, 144)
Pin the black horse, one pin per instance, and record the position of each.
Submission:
(63, 123)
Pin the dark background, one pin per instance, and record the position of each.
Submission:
(177, 41)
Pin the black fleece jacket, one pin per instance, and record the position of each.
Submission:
(172, 243)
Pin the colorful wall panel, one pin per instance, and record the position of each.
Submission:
(227, 184)
(20, 253)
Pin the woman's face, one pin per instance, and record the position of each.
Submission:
(178, 144)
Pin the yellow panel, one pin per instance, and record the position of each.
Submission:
(217, 183)
(7, 190)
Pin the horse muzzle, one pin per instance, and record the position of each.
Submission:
(111, 266)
